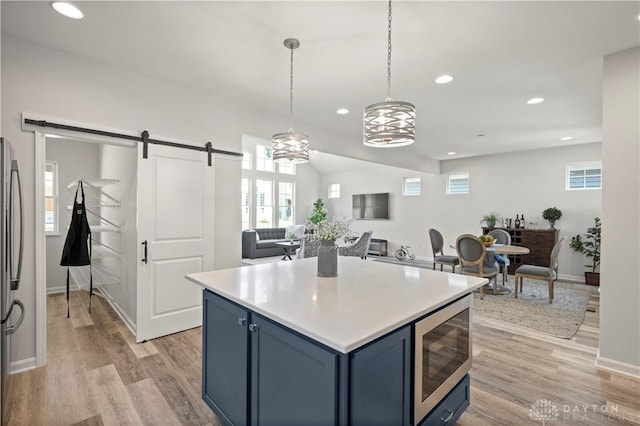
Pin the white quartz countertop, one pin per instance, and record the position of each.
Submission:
(365, 301)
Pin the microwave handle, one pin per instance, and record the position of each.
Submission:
(15, 280)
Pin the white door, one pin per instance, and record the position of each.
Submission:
(175, 219)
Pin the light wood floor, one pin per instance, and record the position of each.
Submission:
(97, 375)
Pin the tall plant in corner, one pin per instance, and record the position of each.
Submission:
(319, 214)
(590, 247)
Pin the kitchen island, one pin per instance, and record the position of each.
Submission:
(283, 346)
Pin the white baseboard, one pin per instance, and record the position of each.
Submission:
(22, 365)
(618, 367)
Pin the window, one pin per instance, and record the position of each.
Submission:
(287, 168)
(264, 158)
(246, 206)
(458, 183)
(285, 203)
(584, 176)
(334, 190)
(411, 187)
(264, 203)
(51, 197)
(246, 160)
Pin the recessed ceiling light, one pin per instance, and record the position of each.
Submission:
(566, 138)
(342, 111)
(534, 101)
(451, 153)
(444, 79)
(481, 135)
(67, 9)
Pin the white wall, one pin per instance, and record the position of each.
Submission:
(67, 154)
(620, 270)
(51, 83)
(117, 162)
(508, 184)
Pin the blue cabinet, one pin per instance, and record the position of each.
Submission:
(256, 371)
(451, 407)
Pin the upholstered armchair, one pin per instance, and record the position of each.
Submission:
(359, 247)
(437, 247)
(502, 237)
(542, 273)
(308, 247)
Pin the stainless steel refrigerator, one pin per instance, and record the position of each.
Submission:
(12, 230)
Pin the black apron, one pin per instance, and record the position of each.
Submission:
(77, 246)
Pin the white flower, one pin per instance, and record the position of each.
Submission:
(332, 230)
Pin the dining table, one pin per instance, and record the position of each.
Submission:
(506, 249)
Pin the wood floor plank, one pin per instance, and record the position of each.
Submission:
(151, 406)
(116, 407)
(141, 350)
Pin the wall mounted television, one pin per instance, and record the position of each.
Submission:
(370, 206)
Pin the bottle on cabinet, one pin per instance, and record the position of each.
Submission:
(522, 221)
(517, 222)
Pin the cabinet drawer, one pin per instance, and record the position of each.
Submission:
(451, 407)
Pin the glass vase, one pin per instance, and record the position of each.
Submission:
(327, 259)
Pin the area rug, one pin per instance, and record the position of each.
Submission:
(532, 309)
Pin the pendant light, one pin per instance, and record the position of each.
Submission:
(290, 147)
(389, 124)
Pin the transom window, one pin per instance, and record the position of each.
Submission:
(411, 187)
(264, 158)
(51, 197)
(582, 176)
(287, 168)
(334, 190)
(458, 183)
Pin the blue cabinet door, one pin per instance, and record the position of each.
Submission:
(380, 377)
(293, 381)
(224, 359)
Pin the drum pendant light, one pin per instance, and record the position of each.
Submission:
(389, 124)
(290, 147)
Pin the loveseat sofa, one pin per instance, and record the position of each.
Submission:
(261, 242)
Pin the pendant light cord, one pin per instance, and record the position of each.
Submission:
(388, 56)
(291, 96)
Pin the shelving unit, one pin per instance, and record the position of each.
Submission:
(105, 255)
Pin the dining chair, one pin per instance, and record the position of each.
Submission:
(359, 247)
(502, 237)
(308, 247)
(472, 254)
(437, 246)
(541, 273)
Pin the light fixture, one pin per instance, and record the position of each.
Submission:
(290, 147)
(451, 153)
(389, 124)
(444, 79)
(534, 101)
(566, 138)
(342, 111)
(67, 9)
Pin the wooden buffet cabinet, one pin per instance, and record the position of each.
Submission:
(540, 242)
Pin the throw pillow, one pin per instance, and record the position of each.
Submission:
(297, 230)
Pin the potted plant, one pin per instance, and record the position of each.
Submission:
(490, 220)
(552, 214)
(319, 214)
(590, 247)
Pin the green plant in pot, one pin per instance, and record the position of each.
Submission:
(590, 247)
(490, 220)
(552, 214)
(319, 214)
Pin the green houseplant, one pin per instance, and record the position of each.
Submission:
(552, 214)
(590, 247)
(319, 214)
(490, 220)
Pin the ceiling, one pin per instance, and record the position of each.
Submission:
(500, 53)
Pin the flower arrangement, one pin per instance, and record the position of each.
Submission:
(332, 230)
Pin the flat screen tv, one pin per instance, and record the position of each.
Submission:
(371, 206)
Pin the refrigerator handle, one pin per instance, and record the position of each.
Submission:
(12, 328)
(15, 281)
